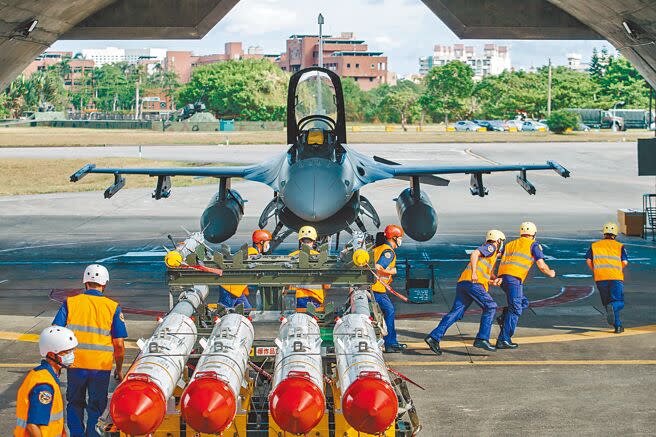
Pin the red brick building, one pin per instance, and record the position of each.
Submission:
(183, 62)
(77, 72)
(345, 55)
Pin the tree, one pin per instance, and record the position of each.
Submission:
(251, 89)
(355, 100)
(595, 68)
(401, 104)
(622, 82)
(562, 120)
(447, 88)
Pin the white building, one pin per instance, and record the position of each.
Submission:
(494, 59)
(111, 55)
(574, 62)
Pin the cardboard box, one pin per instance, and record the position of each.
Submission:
(631, 222)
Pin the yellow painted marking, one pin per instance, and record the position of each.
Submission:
(550, 338)
(525, 363)
(18, 365)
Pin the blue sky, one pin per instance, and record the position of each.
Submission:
(403, 29)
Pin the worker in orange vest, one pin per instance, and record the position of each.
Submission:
(99, 326)
(473, 286)
(39, 402)
(518, 257)
(607, 259)
(233, 295)
(385, 261)
(308, 293)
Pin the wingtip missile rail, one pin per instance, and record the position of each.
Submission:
(82, 172)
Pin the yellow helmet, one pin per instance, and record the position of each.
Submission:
(495, 235)
(610, 228)
(528, 228)
(307, 232)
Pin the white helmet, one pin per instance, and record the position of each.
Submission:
(495, 235)
(96, 273)
(56, 339)
(528, 228)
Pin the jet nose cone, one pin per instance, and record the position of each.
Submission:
(316, 189)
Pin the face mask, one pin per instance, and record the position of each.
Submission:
(265, 247)
(398, 242)
(67, 360)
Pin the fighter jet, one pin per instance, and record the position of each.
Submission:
(318, 180)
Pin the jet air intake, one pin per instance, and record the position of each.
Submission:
(222, 216)
(417, 215)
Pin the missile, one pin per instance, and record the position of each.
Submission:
(138, 404)
(210, 401)
(297, 401)
(176, 257)
(369, 403)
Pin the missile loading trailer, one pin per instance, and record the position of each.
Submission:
(268, 371)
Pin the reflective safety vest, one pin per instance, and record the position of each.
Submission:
(314, 291)
(55, 428)
(607, 260)
(378, 286)
(517, 258)
(90, 318)
(484, 268)
(240, 290)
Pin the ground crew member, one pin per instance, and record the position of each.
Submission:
(385, 259)
(39, 402)
(607, 259)
(99, 326)
(233, 295)
(517, 259)
(308, 293)
(473, 286)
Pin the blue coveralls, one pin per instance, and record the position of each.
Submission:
(385, 303)
(612, 291)
(466, 293)
(81, 381)
(228, 300)
(517, 302)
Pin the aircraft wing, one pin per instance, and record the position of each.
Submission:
(266, 172)
(476, 172)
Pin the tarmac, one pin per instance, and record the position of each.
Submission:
(571, 374)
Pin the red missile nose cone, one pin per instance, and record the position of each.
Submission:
(208, 405)
(297, 405)
(137, 407)
(370, 405)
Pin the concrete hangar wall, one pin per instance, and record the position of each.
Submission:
(28, 27)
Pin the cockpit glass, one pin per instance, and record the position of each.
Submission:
(315, 96)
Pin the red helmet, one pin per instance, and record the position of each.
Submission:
(392, 231)
(261, 235)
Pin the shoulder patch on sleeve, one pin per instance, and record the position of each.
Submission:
(121, 316)
(490, 248)
(45, 397)
(388, 255)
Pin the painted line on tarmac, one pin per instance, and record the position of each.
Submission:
(481, 157)
(523, 363)
(549, 338)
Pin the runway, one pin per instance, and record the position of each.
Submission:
(569, 376)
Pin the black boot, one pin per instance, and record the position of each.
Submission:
(484, 344)
(433, 344)
(392, 349)
(619, 329)
(503, 344)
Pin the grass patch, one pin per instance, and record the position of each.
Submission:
(48, 136)
(40, 176)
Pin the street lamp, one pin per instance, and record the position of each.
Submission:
(320, 23)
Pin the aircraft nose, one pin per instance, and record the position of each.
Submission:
(316, 189)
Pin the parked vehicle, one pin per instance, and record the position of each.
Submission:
(517, 124)
(534, 126)
(600, 119)
(466, 126)
(634, 118)
(583, 128)
(491, 125)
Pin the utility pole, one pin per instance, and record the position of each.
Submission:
(549, 92)
(136, 98)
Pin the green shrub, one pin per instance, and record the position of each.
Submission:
(561, 120)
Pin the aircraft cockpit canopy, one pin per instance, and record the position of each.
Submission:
(315, 109)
